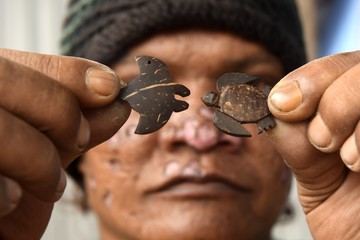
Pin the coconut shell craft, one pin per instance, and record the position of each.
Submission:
(238, 102)
(152, 94)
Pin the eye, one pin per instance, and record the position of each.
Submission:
(149, 62)
(127, 72)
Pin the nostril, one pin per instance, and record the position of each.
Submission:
(171, 138)
(230, 143)
(177, 144)
(224, 142)
(197, 132)
(201, 138)
(198, 136)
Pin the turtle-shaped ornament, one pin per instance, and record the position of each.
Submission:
(239, 102)
(152, 94)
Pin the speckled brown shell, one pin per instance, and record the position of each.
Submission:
(243, 102)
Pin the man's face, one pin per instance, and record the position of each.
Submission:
(188, 180)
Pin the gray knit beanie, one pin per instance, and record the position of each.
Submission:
(103, 30)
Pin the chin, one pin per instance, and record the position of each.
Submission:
(218, 230)
(206, 220)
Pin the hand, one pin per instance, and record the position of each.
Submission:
(317, 111)
(52, 109)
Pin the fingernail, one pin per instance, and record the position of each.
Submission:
(83, 134)
(348, 152)
(103, 82)
(318, 133)
(286, 97)
(60, 188)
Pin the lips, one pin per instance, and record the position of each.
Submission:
(210, 186)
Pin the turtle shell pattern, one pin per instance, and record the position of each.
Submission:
(245, 103)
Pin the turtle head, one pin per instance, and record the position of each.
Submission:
(210, 99)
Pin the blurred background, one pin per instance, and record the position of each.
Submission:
(331, 26)
(31, 25)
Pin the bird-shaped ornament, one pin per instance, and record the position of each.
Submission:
(152, 95)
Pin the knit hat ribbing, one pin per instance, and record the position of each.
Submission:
(103, 30)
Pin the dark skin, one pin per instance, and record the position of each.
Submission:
(328, 188)
(327, 164)
(48, 142)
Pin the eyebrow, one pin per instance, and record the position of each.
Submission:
(250, 61)
(127, 60)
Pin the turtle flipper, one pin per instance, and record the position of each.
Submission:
(233, 79)
(265, 124)
(229, 125)
(267, 90)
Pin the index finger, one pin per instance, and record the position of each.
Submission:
(29, 158)
(93, 83)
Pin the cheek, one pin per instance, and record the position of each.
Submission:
(131, 147)
(125, 136)
(274, 175)
(111, 188)
(268, 164)
(113, 168)
(104, 173)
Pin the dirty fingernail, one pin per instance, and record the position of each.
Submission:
(83, 136)
(318, 133)
(103, 82)
(286, 97)
(348, 152)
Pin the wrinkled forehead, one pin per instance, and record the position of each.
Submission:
(201, 51)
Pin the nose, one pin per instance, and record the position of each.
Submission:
(199, 132)
(196, 130)
(194, 127)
